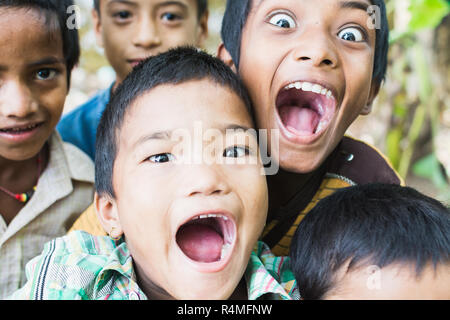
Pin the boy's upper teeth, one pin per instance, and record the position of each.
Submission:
(204, 216)
(308, 86)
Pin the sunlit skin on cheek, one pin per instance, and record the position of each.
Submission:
(155, 195)
(33, 82)
(288, 42)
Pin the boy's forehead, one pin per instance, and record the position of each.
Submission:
(156, 109)
(46, 33)
(358, 4)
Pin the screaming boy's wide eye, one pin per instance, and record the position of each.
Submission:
(351, 34)
(282, 20)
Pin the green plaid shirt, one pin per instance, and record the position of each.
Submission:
(82, 266)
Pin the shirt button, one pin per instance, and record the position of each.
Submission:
(133, 296)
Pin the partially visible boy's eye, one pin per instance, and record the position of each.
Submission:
(282, 20)
(46, 74)
(236, 152)
(162, 158)
(351, 34)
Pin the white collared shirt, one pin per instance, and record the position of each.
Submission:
(65, 189)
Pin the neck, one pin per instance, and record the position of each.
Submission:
(14, 171)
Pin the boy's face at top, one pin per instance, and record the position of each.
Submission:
(33, 82)
(133, 30)
(308, 66)
(190, 218)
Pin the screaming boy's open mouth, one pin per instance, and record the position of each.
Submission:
(305, 108)
(207, 238)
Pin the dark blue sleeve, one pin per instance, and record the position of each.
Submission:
(79, 126)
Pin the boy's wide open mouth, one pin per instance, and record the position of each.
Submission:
(208, 238)
(305, 109)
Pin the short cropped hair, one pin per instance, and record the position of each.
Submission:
(55, 9)
(202, 6)
(235, 18)
(173, 67)
(374, 224)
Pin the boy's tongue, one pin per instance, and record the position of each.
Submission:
(200, 242)
(300, 120)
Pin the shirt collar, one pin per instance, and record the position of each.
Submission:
(269, 275)
(79, 166)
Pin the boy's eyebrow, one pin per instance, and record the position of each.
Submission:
(354, 5)
(239, 127)
(166, 135)
(162, 4)
(46, 61)
(121, 1)
(173, 2)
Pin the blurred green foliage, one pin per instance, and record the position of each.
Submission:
(412, 116)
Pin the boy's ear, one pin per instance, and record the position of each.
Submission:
(202, 31)
(97, 27)
(225, 56)
(374, 90)
(106, 209)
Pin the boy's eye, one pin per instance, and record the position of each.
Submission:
(46, 74)
(282, 20)
(351, 34)
(122, 15)
(236, 152)
(162, 158)
(169, 16)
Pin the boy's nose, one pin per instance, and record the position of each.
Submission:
(205, 180)
(320, 53)
(16, 100)
(147, 35)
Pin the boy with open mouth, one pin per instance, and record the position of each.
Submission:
(179, 229)
(311, 68)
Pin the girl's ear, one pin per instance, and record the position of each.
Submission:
(225, 56)
(106, 209)
(374, 90)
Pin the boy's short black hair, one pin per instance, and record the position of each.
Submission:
(235, 18)
(202, 6)
(175, 66)
(374, 224)
(55, 9)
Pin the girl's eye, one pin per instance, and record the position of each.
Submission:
(162, 158)
(236, 152)
(282, 20)
(351, 34)
(46, 74)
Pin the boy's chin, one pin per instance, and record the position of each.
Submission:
(300, 162)
(220, 288)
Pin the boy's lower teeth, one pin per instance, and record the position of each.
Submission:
(225, 249)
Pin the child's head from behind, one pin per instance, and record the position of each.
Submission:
(190, 225)
(311, 68)
(131, 31)
(37, 54)
(374, 242)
